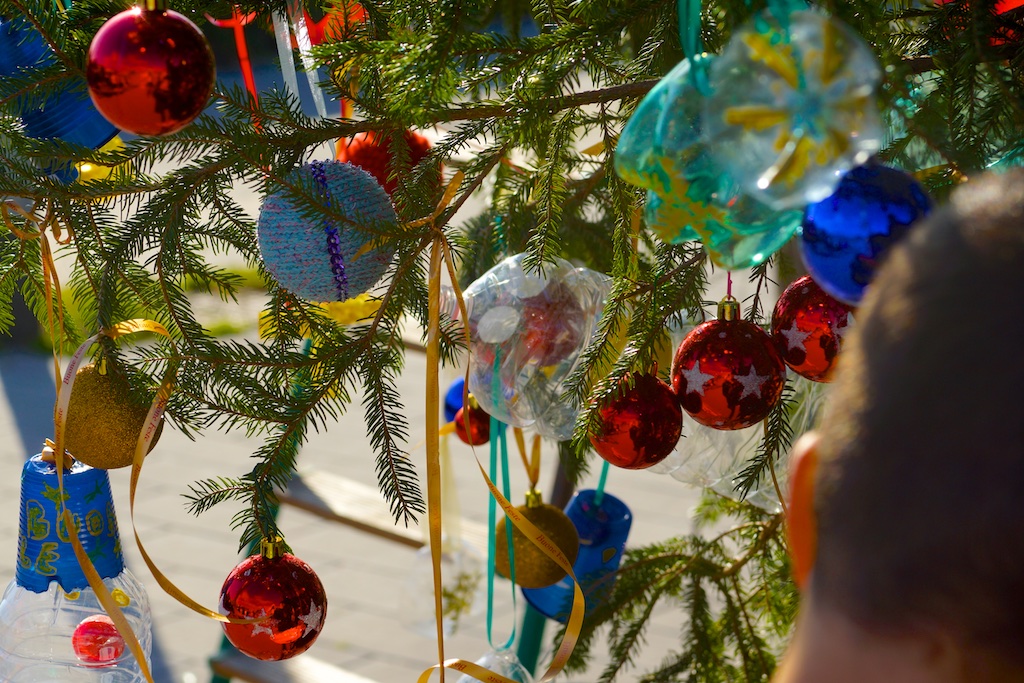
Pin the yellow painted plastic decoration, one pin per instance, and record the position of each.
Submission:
(792, 106)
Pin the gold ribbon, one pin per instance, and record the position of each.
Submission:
(440, 253)
(51, 282)
(531, 462)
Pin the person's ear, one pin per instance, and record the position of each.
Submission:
(802, 525)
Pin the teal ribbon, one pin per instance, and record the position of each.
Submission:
(688, 13)
(599, 491)
(498, 440)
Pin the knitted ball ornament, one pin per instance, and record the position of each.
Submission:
(323, 259)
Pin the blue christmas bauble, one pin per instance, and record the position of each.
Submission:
(846, 235)
(453, 398)
(326, 254)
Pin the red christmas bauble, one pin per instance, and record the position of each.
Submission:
(479, 431)
(808, 327)
(552, 324)
(96, 641)
(727, 374)
(640, 427)
(286, 591)
(367, 151)
(150, 72)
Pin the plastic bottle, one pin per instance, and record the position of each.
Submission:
(528, 330)
(50, 598)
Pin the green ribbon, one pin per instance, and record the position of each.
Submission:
(599, 491)
(498, 440)
(688, 13)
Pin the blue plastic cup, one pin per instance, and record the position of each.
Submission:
(45, 552)
(20, 46)
(603, 530)
(69, 116)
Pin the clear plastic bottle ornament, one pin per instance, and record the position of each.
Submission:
(719, 457)
(463, 593)
(810, 404)
(793, 106)
(527, 330)
(712, 455)
(502, 662)
(48, 613)
(672, 462)
(690, 195)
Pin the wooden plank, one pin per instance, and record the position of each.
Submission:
(302, 669)
(362, 507)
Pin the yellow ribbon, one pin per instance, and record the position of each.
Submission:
(440, 253)
(51, 282)
(532, 462)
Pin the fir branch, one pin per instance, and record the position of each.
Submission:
(550, 105)
(395, 472)
(778, 437)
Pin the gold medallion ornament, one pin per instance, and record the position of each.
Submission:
(533, 568)
(103, 423)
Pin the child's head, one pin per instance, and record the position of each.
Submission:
(917, 494)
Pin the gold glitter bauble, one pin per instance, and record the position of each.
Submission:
(533, 568)
(103, 424)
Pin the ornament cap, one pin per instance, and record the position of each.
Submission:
(534, 499)
(49, 455)
(272, 548)
(158, 5)
(729, 309)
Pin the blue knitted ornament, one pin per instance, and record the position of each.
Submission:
(315, 256)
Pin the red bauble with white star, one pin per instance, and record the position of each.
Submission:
(283, 589)
(478, 431)
(727, 373)
(641, 426)
(808, 327)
